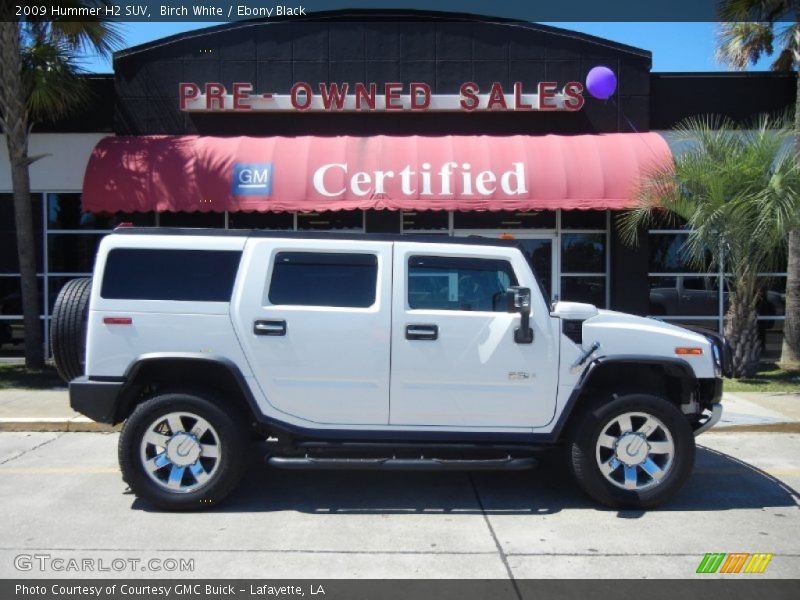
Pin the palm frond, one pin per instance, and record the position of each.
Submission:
(52, 81)
(740, 44)
(737, 189)
(757, 10)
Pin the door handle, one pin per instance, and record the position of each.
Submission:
(269, 327)
(422, 332)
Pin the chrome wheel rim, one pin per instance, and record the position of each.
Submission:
(635, 451)
(180, 452)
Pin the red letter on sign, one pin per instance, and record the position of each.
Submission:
(365, 96)
(573, 96)
(186, 92)
(547, 91)
(497, 99)
(215, 92)
(296, 88)
(241, 92)
(423, 100)
(469, 95)
(519, 103)
(392, 93)
(334, 98)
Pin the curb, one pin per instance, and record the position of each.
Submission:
(58, 424)
(781, 427)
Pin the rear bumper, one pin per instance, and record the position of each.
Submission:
(95, 399)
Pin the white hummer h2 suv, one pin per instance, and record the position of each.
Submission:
(371, 351)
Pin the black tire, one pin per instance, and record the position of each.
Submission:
(68, 328)
(231, 431)
(583, 452)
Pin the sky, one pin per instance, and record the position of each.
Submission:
(675, 46)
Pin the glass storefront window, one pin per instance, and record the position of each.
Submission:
(72, 253)
(684, 295)
(583, 219)
(668, 254)
(770, 333)
(9, 262)
(539, 252)
(345, 219)
(64, 213)
(504, 219)
(591, 290)
(426, 220)
(192, 219)
(11, 295)
(667, 221)
(258, 220)
(773, 300)
(12, 337)
(583, 253)
(137, 219)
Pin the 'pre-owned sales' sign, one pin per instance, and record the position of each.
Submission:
(416, 96)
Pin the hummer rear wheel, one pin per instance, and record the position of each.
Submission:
(181, 451)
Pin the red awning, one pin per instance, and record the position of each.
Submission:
(199, 173)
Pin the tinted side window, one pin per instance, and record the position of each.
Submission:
(144, 274)
(324, 279)
(455, 283)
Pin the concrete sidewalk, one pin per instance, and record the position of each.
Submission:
(49, 410)
(43, 410)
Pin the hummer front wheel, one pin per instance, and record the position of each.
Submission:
(635, 451)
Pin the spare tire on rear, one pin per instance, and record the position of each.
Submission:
(68, 328)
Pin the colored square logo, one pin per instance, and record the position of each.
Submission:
(251, 179)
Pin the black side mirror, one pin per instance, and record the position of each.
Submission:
(518, 300)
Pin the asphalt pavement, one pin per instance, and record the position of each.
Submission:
(62, 498)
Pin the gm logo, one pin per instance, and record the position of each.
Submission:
(735, 562)
(252, 179)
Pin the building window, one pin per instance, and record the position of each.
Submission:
(64, 213)
(192, 219)
(435, 221)
(504, 219)
(584, 256)
(684, 293)
(344, 219)
(583, 219)
(71, 253)
(257, 220)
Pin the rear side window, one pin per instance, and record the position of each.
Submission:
(459, 283)
(324, 279)
(145, 274)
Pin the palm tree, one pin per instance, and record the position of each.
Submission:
(753, 28)
(738, 191)
(39, 79)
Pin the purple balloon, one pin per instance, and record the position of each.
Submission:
(601, 82)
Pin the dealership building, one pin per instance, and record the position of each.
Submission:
(387, 122)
